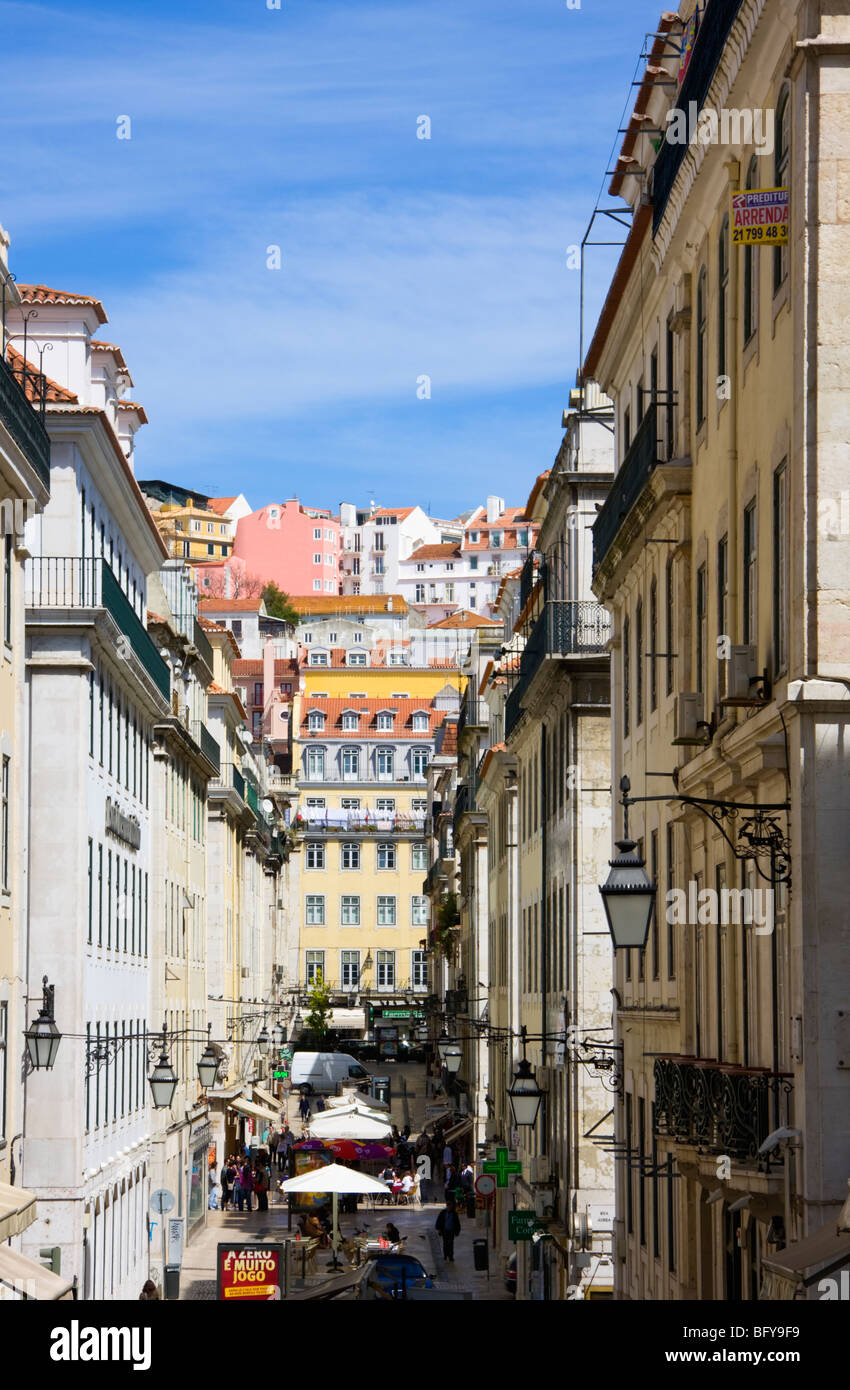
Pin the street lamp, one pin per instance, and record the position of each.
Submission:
(629, 898)
(278, 1035)
(452, 1058)
(43, 1037)
(443, 1043)
(163, 1080)
(525, 1096)
(263, 1041)
(208, 1064)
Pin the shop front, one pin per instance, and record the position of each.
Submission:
(200, 1142)
(394, 1025)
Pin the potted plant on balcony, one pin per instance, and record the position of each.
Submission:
(446, 926)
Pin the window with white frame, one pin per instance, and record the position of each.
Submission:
(418, 911)
(315, 910)
(350, 720)
(385, 720)
(419, 593)
(315, 967)
(357, 658)
(419, 806)
(351, 764)
(398, 658)
(329, 535)
(385, 805)
(351, 803)
(474, 537)
(317, 586)
(317, 533)
(316, 762)
(386, 856)
(349, 969)
(495, 539)
(317, 557)
(316, 717)
(350, 910)
(333, 637)
(308, 636)
(330, 586)
(418, 970)
(386, 910)
(386, 764)
(315, 803)
(357, 637)
(386, 969)
(419, 855)
(419, 762)
(420, 722)
(315, 855)
(349, 856)
(329, 559)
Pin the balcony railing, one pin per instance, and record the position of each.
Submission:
(719, 1109)
(474, 713)
(207, 744)
(708, 49)
(641, 458)
(333, 821)
(252, 797)
(202, 642)
(71, 582)
(230, 779)
(564, 628)
(22, 420)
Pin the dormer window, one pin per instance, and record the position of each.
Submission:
(398, 658)
(474, 537)
(350, 720)
(386, 721)
(495, 539)
(420, 722)
(357, 658)
(319, 659)
(316, 721)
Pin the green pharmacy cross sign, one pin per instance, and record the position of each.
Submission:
(502, 1168)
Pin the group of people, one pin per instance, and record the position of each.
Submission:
(243, 1179)
(280, 1144)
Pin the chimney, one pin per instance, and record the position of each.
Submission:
(390, 604)
(495, 507)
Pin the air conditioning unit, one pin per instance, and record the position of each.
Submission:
(245, 972)
(541, 1168)
(688, 715)
(737, 677)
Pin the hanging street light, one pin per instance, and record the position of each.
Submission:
(163, 1079)
(443, 1042)
(208, 1064)
(278, 1036)
(629, 898)
(452, 1058)
(43, 1037)
(263, 1041)
(525, 1096)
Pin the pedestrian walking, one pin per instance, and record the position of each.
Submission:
(274, 1140)
(467, 1177)
(304, 1106)
(227, 1178)
(261, 1188)
(451, 1182)
(448, 1157)
(320, 1104)
(448, 1225)
(244, 1187)
(284, 1148)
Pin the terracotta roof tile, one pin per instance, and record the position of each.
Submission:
(347, 603)
(220, 505)
(43, 294)
(54, 392)
(447, 551)
(448, 742)
(230, 605)
(134, 405)
(465, 618)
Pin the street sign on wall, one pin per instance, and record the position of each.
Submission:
(760, 217)
(162, 1200)
(251, 1271)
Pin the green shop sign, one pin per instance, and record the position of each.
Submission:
(522, 1225)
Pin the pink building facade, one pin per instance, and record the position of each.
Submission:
(296, 547)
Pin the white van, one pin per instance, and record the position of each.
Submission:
(322, 1071)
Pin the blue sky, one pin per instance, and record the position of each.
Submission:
(401, 257)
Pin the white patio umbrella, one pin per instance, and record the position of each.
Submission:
(357, 1098)
(349, 1125)
(334, 1178)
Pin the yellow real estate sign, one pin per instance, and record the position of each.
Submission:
(760, 217)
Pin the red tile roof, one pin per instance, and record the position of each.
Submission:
(43, 294)
(54, 392)
(448, 744)
(283, 667)
(465, 618)
(134, 405)
(334, 708)
(347, 603)
(230, 605)
(447, 551)
(400, 512)
(100, 346)
(220, 505)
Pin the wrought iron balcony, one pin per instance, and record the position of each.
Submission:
(718, 1108)
(474, 713)
(708, 50)
(230, 779)
(24, 423)
(641, 458)
(207, 744)
(202, 642)
(564, 628)
(71, 582)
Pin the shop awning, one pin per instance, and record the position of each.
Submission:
(29, 1279)
(805, 1261)
(348, 1018)
(17, 1210)
(457, 1131)
(256, 1112)
(266, 1098)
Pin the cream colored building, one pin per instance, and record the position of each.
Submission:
(723, 555)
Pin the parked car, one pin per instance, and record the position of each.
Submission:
(390, 1270)
(320, 1072)
(510, 1274)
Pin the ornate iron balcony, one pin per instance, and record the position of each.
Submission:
(22, 420)
(565, 627)
(717, 1108)
(641, 457)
